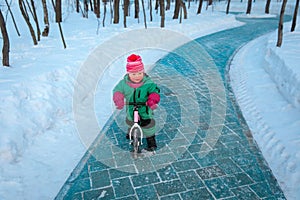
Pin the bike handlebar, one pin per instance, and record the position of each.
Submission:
(136, 103)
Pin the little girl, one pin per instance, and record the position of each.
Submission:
(137, 86)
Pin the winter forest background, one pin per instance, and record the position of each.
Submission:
(56, 9)
(45, 42)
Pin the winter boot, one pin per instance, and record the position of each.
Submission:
(151, 143)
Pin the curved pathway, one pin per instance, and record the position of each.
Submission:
(205, 149)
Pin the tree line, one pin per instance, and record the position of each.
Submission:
(85, 7)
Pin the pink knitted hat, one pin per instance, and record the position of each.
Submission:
(134, 63)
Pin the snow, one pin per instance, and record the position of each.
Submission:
(270, 114)
(39, 141)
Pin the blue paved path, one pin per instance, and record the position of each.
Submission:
(205, 149)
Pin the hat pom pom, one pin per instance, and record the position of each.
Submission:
(133, 58)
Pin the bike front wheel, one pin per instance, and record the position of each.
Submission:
(136, 140)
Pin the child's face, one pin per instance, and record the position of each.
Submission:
(136, 77)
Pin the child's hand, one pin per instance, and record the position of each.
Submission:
(151, 105)
(118, 99)
(153, 100)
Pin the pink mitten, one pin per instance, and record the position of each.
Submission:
(118, 99)
(153, 100)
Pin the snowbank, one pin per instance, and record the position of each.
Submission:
(284, 66)
(265, 80)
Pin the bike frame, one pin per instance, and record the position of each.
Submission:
(133, 134)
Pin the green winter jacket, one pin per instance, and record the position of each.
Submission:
(139, 94)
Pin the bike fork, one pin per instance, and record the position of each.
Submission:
(135, 125)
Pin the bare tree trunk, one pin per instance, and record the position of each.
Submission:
(295, 16)
(209, 2)
(116, 11)
(151, 18)
(58, 15)
(36, 21)
(85, 8)
(58, 22)
(267, 8)
(126, 7)
(104, 14)
(125, 12)
(180, 15)
(25, 15)
(200, 6)
(168, 6)
(5, 49)
(77, 6)
(178, 5)
(156, 5)
(184, 9)
(228, 6)
(12, 16)
(280, 25)
(144, 12)
(176, 9)
(111, 11)
(91, 6)
(249, 5)
(46, 19)
(162, 13)
(97, 8)
(136, 9)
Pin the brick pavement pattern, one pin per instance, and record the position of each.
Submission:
(205, 149)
